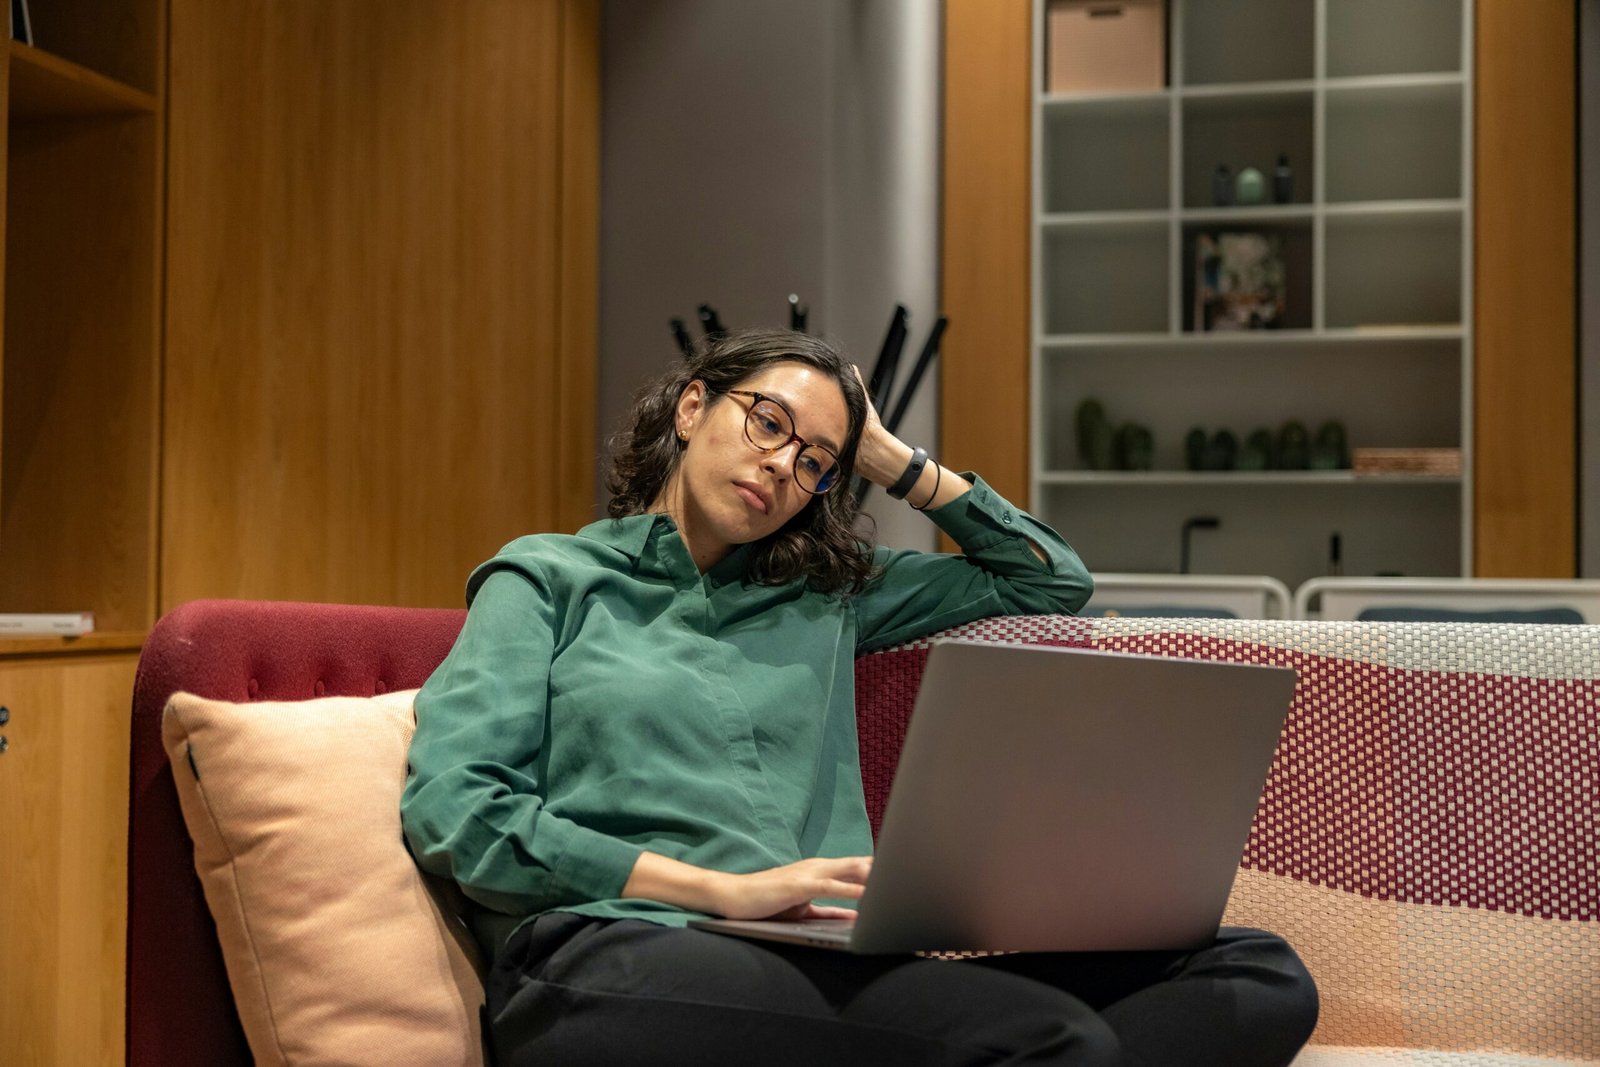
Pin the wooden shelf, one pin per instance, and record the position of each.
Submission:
(1267, 90)
(1257, 90)
(1240, 478)
(1385, 82)
(47, 86)
(1355, 335)
(110, 641)
(79, 360)
(1373, 118)
(1236, 215)
(79, 431)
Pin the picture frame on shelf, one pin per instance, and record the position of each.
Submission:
(1239, 281)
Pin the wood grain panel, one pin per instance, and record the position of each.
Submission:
(1525, 343)
(371, 370)
(63, 914)
(983, 390)
(578, 347)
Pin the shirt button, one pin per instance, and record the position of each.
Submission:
(1006, 518)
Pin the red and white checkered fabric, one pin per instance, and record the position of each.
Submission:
(1429, 832)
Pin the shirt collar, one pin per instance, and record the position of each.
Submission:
(639, 537)
(627, 535)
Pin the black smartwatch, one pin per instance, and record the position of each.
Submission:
(913, 471)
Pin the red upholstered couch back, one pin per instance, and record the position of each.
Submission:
(179, 1007)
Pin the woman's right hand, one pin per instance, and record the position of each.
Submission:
(787, 892)
(777, 893)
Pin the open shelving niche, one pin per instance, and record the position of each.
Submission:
(79, 368)
(1378, 280)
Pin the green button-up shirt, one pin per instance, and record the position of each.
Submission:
(606, 698)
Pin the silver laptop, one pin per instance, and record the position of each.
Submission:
(1052, 799)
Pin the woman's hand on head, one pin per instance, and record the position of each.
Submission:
(787, 892)
(882, 459)
(881, 456)
(874, 425)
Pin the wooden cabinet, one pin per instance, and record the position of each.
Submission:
(79, 426)
(353, 359)
(63, 857)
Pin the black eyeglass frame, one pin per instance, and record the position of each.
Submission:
(756, 398)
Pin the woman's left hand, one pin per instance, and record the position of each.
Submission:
(881, 456)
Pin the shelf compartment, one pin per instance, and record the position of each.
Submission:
(1245, 217)
(1368, 37)
(80, 366)
(1248, 130)
(47, 86)
(1250, 385)
(1396, 208)
(1247, 41)
(1107, 155)
(1109, 278)
(1394, 143)
(1394, 270)
(1410, 527)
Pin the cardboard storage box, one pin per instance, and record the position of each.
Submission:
(1106, 45)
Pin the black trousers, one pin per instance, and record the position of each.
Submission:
(570, 990)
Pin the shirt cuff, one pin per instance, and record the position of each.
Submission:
(982, 519)
(594, 866)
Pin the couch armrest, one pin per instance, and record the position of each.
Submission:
(179, 1009)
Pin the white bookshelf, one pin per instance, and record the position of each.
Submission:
(1371, 101)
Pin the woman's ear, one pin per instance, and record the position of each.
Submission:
(691, 407)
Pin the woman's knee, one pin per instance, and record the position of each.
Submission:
(1280, 976)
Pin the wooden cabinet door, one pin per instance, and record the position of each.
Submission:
(63, 858)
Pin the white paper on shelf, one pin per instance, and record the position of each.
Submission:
(46, 624)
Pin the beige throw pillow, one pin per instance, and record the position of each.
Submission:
(338, 949)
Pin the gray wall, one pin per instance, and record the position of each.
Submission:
(1589, 291)
(754, 148)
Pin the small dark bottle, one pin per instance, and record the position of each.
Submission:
(1282, 181)
(1222, 186)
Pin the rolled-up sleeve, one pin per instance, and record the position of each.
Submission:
(473, 809)
(996, 573)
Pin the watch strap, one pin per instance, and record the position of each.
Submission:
(913, 471)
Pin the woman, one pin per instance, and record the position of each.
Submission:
(653, 719)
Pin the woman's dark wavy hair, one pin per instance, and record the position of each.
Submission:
(818, 544)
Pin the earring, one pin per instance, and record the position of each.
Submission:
(683, 435)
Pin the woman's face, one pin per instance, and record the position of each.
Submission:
(727, 492)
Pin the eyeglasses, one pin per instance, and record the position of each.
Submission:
(769, 426)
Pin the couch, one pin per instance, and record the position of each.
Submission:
(1427, 837)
